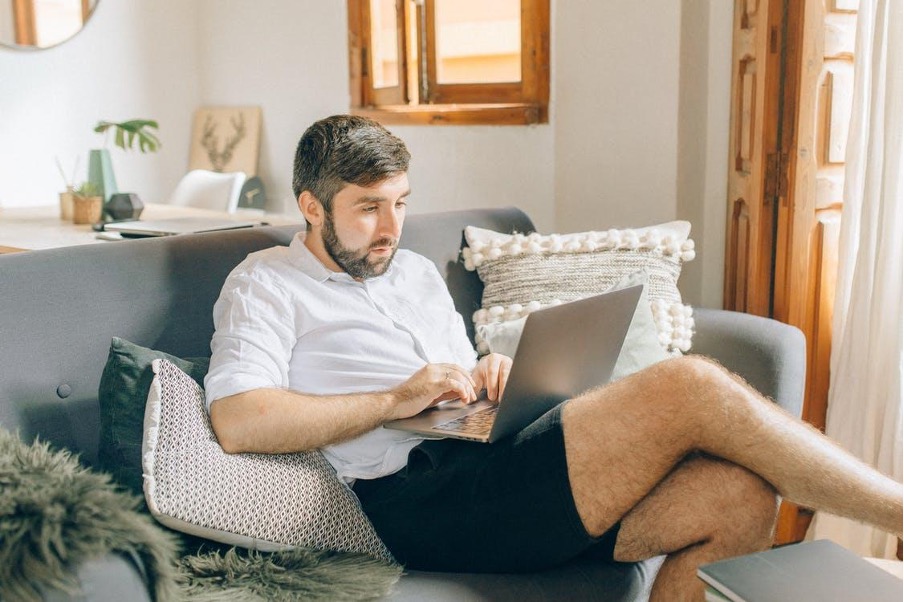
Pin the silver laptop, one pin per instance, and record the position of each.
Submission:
(563, 351)
(173, 226)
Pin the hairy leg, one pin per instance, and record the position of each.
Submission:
(623, 439)
(705, 509)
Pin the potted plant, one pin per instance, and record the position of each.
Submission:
(87, 204)
(126, 135)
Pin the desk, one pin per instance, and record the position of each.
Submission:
(32, 228)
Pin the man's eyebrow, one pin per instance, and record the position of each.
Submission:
(377, 198)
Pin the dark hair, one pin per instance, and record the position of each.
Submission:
(342, 150)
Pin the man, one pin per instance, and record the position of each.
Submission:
(318, 344)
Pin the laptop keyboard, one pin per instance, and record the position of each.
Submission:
(478, 423)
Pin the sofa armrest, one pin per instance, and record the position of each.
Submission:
(768, 354)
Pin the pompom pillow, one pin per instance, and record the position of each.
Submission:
(260, 501)
(640, 349)
(522, 273)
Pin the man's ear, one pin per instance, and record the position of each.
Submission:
(310, 208)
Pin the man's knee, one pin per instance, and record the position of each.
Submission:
(697, 386)
(683, 384)
(694, 371)
(674, 395)
(704, 501)
(750, 508)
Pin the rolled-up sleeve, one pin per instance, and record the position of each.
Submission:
(254, 337)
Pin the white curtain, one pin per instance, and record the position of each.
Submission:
(865, 391)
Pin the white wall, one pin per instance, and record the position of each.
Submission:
(134, 59)
(290, 58)
(704, 111)
(467, 167)
(6, 24)
(616, 82)
(629, 97)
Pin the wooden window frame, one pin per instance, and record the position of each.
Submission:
(516, 103)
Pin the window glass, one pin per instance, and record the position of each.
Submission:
(384, 43)
(478, 41)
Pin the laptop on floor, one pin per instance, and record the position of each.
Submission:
(174, 226)
(563, 351)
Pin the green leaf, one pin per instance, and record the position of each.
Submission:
(127, 132)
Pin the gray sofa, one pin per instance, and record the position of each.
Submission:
(60, 308)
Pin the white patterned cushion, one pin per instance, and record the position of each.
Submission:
(522, 273)
(263, 501)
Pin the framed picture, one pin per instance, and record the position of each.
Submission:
(226, 139)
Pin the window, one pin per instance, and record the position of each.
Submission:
(450, 61)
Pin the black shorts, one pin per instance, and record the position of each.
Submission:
(488, 508)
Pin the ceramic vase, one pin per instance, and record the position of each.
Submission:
(100, 173)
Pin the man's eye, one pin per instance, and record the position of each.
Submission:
(370, 209)
(401, 204)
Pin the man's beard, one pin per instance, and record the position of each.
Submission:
(356, 263)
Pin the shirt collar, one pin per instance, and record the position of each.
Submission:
(311, 266)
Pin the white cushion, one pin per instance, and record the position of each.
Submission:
(262, 501)
(522, 273)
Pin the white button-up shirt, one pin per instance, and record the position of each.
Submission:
(283, 320)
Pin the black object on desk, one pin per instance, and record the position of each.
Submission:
(252, 194)
(123, 206)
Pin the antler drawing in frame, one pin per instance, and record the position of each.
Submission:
(220, 158)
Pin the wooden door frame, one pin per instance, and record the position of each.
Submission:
(781, 248)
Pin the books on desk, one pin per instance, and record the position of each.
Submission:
(815, 571)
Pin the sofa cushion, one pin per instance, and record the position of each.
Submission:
(262, 501)
(640, 349)
(522, 273)
(122, 395)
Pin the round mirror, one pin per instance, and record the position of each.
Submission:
(36, 24)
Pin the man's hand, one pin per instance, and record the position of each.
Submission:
(492, 372)
(430, 385)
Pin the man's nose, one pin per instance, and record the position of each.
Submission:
(391, 224)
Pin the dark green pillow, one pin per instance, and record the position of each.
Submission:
(123, 394)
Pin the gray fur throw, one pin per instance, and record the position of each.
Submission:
(55, 513)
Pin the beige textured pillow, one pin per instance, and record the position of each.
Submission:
(522, 273)
(261, 501)
(640, 349)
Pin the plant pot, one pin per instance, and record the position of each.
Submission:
(87, 209)
(66, 206)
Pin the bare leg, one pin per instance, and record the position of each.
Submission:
(623, 439)
(705, 510)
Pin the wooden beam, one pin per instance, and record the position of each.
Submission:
(468, 114)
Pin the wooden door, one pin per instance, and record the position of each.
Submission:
(753, 147)
(808, 219)
(818, 99)
(800, 190)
